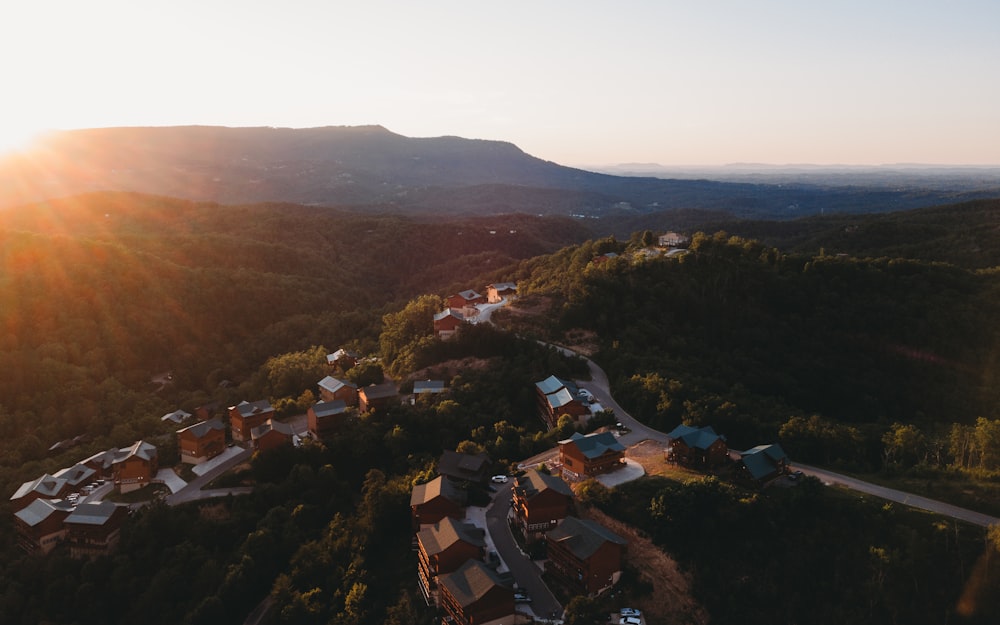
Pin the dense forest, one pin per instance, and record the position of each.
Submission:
(877, 364)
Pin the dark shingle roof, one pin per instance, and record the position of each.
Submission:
(470, 582)
(201, 429)
(438, 487)
(583, 537)
(92, 513)
(248, 409)
(329, 408)
(464, 466)
(447, 532)
(534, 482)
(696, 438)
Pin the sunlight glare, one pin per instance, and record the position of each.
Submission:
(16, 137)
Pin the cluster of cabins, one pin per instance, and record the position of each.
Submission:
(456, 573)
(463, 306)
(702, 448)
(48, 510)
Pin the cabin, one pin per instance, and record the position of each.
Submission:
(342, 359)
(672, 239)
(94, 528)
(475, 595)
(325, 418)
(590, 455)
(178, 416)
(76, 476)
(540, 502)
(39, 525)
(761, 464)
(558, 397)
(245, 416)
(464, 467)
(333, 389)
(202, 441)
(496, 293)
(377, 396)
(271, 435)
(435, 500)
(45, 487)
(465, 299)
(442, 548)
(428, 390)
(135, 467)
(585, 555)
(205, 412)
(698, 448)
(446, 323)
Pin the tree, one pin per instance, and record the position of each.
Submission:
(903, 445)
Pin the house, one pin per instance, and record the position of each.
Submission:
(76, 476)
(446, 322)
(205, 412)
(540, 502)
(465, 299)
(377, 396)
(442, 548)
(245, 416)
(177, 416)
(558, 397)
(435, 500)
(39, 526)
(271, 435)
(134, 467)
(102, 463)
(475, 595)
(202, 441)
(762, 463)
(585, 555)
(495, 293)
(464, 467)
(332, 389)
(325, 418)
(342, 359)
(45, 487)
(696, 447)
(672, 239)
(590, 455)
(94, 528)
(429, 389)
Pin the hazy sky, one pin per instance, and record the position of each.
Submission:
(576, 82)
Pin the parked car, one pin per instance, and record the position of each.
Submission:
(521, 597)
(586, 395)
(499, 479)
(630, 620)
(629, 612)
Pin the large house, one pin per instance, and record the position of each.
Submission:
(325, 418)
(672, 239)
(271, 435)
(762, 463)
(585, 554)
(495, 293)
(342, 359)
(45, 487)
(442, 548)
(558, 397)
(94, 528)
(135, 467)
(376, 396)
(435, 500)
(332, 389)
(464, 299)
(202, 441)
(245, 416)
(464, 467)
(540, 502)
(590, 455)
(446, 322)
(475, 595)
(40, 526)
(696, 447)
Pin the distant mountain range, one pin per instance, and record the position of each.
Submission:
(372, 168)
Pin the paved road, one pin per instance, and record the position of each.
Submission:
(599, 386)
(193, 491)
(524, 570)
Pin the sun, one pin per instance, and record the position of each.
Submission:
(16, 137)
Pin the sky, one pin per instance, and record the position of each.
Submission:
(580, 83)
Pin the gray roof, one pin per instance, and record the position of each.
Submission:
(76, 474)
(380, 391)
(176, 416)
(464, 466)
(762, 460)
(428, 386)
(534, 482)
(471, 581)
(41, 509)
(271, 424)
(329, 408)
(562, 397)
(103, 458)
(341, 353)
(92, 513)
(449, 312)
(248, 409)
(583, 537)
(139, 449)
(201, 429)
(438, 487)
(504, 286)
(333, 385)
(445, 533)
(46, 486)
(594, 445)
(550, 385)
(469, 294)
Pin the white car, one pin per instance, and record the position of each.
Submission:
(630, 620)
(586, 395)
(629, 612)
(499, 479)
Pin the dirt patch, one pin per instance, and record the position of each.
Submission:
(652, 456)
(581, 341)
(450, 368)
(670, 601)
